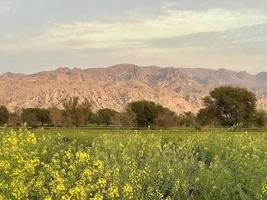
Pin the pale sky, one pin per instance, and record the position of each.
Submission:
(40, 35)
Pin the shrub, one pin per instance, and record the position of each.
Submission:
(35, 117)
(106, 116)
(4, 115)
(76, 113)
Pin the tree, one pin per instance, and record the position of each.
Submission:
(56, 116)
(206, 117)
(76, 113)
(230, 106)
(260, 119)
(105, 116)
(14, 119)
(187, 119)
(35, 117)
(166, 119)
(146, 112)
(127, 119)
(4, 115)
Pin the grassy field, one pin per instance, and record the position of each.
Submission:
(90, 133)
(124, 164)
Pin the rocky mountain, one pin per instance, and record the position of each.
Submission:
(180, 89)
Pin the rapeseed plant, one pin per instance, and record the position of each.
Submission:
(133, 166)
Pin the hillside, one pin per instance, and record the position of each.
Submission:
(180, 89)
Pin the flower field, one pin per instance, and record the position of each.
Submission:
(133, 165)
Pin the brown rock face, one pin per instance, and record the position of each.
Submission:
(179, 89)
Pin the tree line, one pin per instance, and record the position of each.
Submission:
(225, 106)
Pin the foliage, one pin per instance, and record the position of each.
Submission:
(260, 119)
(226, 106)
(166, 119)
(56, 116)
(76, 113)
(127, 119)
(187, 119)
(134, 166)
(14, 119)
(229, 106)
(206, 116)
(35, 117)
(4, 115)
(147, 113)
(106, 116)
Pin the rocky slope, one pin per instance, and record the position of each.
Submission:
(180, 89)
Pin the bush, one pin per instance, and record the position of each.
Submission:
(14, 120)
(150, 114)
(106, 116)
(76, 113)
(35, 117)
(56, 117)
(4, 115)
(166, 120)
(187, 119)
(260, 119)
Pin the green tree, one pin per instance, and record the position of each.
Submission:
(187, 119)
(105, 116)
(35, 117)
(127, 119)
(146, 112)
(206, 117)
(14, 119)
(4, 115)
(76, 113)
(260, 119)
(230, 106)
(166, 119)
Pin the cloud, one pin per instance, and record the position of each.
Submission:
(4, 8)
(144, 32)
(214, 4)
(133, 30)
(248, 39)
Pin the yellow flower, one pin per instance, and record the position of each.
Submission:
(68, 154)
(97, 197)
(4, 165)
(57, 184)
(87, 174)
(31, 138)
(78, 192)
(30, 165)
(19, 190)
(101, 183)
(264, 187)
(128, 191)
(113, 192)
(98, 164)
(82, 157)
(12, 141)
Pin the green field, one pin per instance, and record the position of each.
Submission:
(127, 164)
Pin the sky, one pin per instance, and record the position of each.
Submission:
(38, 35)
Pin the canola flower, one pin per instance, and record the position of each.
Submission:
(133, 166)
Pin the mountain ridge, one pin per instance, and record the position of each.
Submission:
(180, 89)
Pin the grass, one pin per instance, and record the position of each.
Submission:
(89, 134)
(128, 164)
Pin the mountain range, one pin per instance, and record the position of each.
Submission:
(180, 89)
